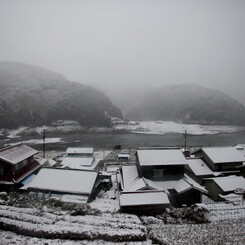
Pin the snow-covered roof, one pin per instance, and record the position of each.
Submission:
(239, 146)
(229, 183)
(143, 184)
(143, 198)
(129, 174)
(77, 162)
(16, 153)
(63, 180)
(161, 157)
(188, 183)
(199, 168)
(223, 154)
(80, 150)
(181, 185)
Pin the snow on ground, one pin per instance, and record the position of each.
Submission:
(15, 133)
(101, 155)
(61, 225)
(226, 232)
(143, 127)
(8, 238)
(164, 127)
(40, 141)
(105, 204)
(64, 127)
(224, 210)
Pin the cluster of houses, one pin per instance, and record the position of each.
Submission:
(153, 178)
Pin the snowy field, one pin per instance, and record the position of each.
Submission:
(8, 238)
(33, 221)
(225, 232)
(48, 223)
(165, 127)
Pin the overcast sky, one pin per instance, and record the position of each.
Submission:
(114, 43)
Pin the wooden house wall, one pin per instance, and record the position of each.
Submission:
(168, 172)
(229, 165)
(213, 189)
(7, 168)
(190, 197)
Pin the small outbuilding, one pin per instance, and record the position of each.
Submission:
(224, 185)
(225, 159)
(17, 162)
(78, 158)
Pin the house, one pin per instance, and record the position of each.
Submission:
(78, 158)
(198, 170)
(158, 171)
(139, 193)
(161, 164)
(17, 162)
(82, 184)
(224, 185)
(225, 159)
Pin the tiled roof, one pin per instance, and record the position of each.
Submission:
(16, 153)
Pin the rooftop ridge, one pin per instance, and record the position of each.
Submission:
(10, 146)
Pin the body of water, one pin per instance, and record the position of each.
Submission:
(127, 140)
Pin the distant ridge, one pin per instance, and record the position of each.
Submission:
(188, 104)
(33, 96)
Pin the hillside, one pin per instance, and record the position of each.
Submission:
(33, 96)
(187, 104)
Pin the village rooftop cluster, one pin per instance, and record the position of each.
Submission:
(143, 178)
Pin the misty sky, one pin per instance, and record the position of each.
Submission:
(110, 44)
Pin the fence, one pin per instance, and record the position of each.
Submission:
(233, 207)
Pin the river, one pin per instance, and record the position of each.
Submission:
(126, 140)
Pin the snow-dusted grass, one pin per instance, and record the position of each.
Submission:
(142, 127)
(226, 232)
(224, 211)
(8, 238)
(46, 224)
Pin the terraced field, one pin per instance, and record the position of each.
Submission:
(32, 223)
(60, 225)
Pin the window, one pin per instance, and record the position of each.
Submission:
(158, 173)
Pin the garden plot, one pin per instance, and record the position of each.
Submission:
(107, 227)
(12, 238)
(231, 209)
(225, 232)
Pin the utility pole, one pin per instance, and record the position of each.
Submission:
(185, 139)
(44, 143)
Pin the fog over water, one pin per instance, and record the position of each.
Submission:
(115, 45)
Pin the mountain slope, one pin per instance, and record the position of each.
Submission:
(31, 95)
(189, 104)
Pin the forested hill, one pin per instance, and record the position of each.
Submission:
(33, 96)
(189, 104)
